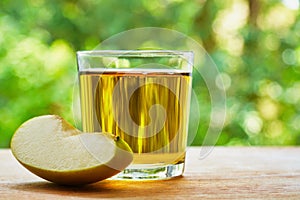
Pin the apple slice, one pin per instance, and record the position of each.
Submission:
(51, 148)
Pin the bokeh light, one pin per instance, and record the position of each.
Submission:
(255, 45)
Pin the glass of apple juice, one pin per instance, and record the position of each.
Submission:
(142, 96)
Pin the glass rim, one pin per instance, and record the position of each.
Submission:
(188, 56)
(138, 53)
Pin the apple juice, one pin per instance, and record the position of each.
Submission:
(149, 110)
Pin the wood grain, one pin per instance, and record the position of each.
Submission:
(226, 173)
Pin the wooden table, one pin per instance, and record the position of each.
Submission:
(226, 173)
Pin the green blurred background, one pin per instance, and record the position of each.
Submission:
(255, 44)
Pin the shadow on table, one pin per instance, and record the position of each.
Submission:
(106, 188)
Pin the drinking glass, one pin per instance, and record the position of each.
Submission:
(142, 96)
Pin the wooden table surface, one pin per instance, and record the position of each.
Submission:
(225, 173)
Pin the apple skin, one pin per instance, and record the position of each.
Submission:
(123, 157)
(77, 177)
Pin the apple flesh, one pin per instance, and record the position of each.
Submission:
(52, 149)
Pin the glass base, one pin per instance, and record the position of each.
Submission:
(140, 172)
